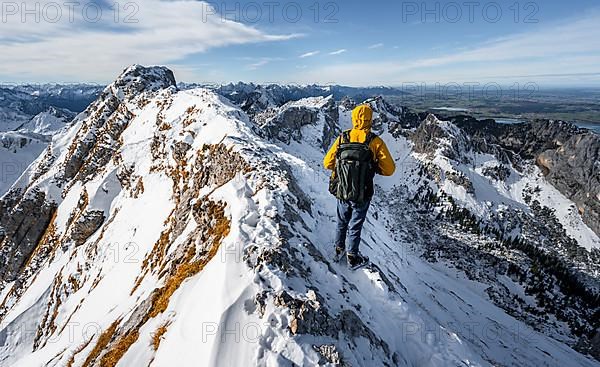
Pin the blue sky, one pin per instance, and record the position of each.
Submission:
(551, 43)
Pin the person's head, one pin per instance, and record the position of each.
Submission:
(362, 116)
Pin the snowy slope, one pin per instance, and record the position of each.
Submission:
(48, 122)
(17, 151)
(21, 146)
(183, 235)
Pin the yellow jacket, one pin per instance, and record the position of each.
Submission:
(362, 117)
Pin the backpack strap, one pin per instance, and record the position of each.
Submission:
(345, 137)
(370, 137)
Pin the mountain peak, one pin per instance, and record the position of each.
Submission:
(137, 78)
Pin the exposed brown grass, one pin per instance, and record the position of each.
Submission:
(157, 335)
(76, 352)
(189, 113)
(118, 349)
(160, 302)
(160, 299)
(218, 230)
(101, 343)
(74, 283)
(218, 227)
(159, 249)
(139, 188)
(213, 227)
(138, 281)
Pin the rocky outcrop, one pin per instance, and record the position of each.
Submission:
(330, 354)
(86, 225)
(441, 137)
(286, 122)
(312, 317)
(23, 222)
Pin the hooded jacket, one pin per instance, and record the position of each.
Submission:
(362, 117)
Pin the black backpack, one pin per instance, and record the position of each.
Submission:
(354, 170)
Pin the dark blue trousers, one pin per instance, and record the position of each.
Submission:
(350, 219)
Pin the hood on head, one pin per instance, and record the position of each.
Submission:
(362, 116)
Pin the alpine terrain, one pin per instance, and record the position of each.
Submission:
(30, 115)
(192, 226)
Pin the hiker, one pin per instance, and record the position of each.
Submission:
(355, 157)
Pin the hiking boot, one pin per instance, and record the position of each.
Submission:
(339, 253)
(357, 261)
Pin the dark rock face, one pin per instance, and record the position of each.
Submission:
(527, 139)
(330, 129)
(348, 103)
(589, 346)
(286, 123)
(574, 169)
(22, 224)
(87, 224)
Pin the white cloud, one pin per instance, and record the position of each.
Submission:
(76, 49)
(377, 45)
(309, 54)
(261, 62)
(338, 52)
(258, 64)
